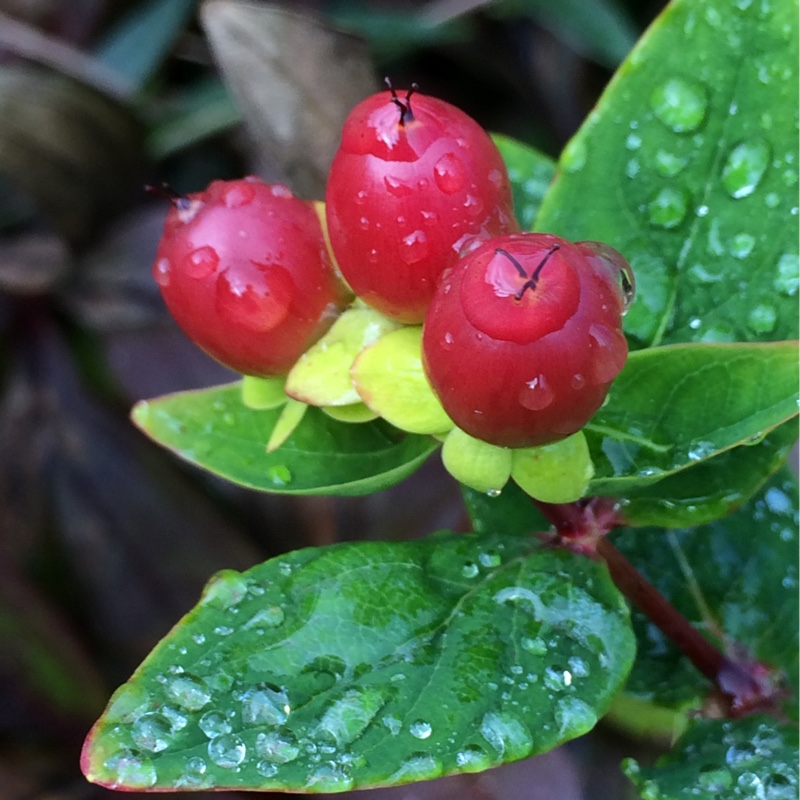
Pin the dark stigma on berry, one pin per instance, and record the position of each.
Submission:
(405, 107)
(534, 279)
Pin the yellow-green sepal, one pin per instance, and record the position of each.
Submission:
(321, 376)
(481, 466)
(390, 379)
(357, 412)
(291, 416)
(263, 394)
(554, 473)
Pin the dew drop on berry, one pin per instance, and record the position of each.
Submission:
(578, 381)
(449, 174)
(363, 223)
(200, 263)
(608, 354)
(238, 194)
(537, 394)
(415, 247)
(281, 190)
(161, 271)
(397, 187)
(258, 309)
(473, 205)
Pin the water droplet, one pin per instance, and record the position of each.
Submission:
(223, 630)
(714, 780)
(473, 205)
(420, 729)
(680, 104)
(507, 735)
(489, 560)
(573, 158)
(266, 618)
(742, 245)
(788, 276)
(415, 247)
(348, 717)
(449, 174)
(668, 165)
(238, 194)
(577, 381)
(633, 142)
(265, 707)
(574, 717)
(152, 732)
(131, 770)
(701, 450)
(330, 777)
(537, 394)
(363, 223)
(668, 207)
(196, 765)
(213, 724)
(470, 570)
(494, 492)
(277, 747)
(225, 589)
(281, 190)
(557, 679)
(227, 751)
(255, 301)
(419, 767)
(762, 318)
(394, 724)
(200, 263)
(280, 475)
(745, 167)
(189, 692)
(473, 759)
(176, 720)
(397, 187)
(578, 667)
(266, 769)
(536, 646)
(632, 168)
(161, 271)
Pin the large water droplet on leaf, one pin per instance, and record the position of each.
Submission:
(227, 751)
(347, 718)
(668, 165)
(507, 734)
(680, 104)
(277, 747)
(152, 732)
(420, 729)
(742, 245)
(574, 717)
(265, 707)
(668, 207)
(131, 770)
(213, 724)
(189, 692)
(745, 167)
(787, 278)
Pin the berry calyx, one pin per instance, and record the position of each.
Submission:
(524, 337)
(244, 269)
(415, 183)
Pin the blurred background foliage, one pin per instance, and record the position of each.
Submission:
(104, 539)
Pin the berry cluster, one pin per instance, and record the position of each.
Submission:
(520, 333)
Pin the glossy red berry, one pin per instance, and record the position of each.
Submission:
(415, 181)
(244, 270)
(524, 337)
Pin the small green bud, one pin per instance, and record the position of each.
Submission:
(554, 473)
(481, 466)
(263, 393)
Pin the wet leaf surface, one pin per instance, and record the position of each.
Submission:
(754, 757)
(687, 167)
(356, 665)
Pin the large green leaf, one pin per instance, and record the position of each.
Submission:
(214, 430)
(754, 757)
(688, 167)
(530, 172)
(371, 663)
(745, 569)
(675, 407)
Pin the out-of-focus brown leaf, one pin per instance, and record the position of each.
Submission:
(73, 151)
(31, 263)
(294, 79)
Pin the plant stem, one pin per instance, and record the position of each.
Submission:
(705, 657)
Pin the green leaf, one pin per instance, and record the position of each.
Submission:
(687, 167)
(213, 429)
(367, 664)
(753, 757)
(745, 569)
(530, 172)
(512, 512)
(674, 407)
(137, 45)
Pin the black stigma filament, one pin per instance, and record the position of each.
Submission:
(533, 279)
(181, 202)
(406, 113)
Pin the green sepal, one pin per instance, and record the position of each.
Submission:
(481, 466)
(355, 413)
(554, 473)
(390, 380)
(291, 416)
(321, 376)
(263, 394)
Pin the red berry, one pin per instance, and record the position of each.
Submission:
(523, 337)
(244, 270)
(414, 182)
